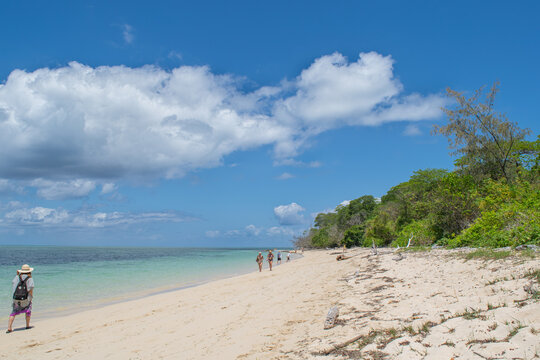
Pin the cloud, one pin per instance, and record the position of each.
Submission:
(114, 122)
(328, 211)
(60, 190)
(297, 163)
(11, 205)
(212, 233)
(412, 130)
(285, 176)
(289, 214)
(108, 188)
(253, 230)
(333, 92)
(174, 55)
(127, 33)
(7, 186)
(281, 231)
(46, 217)
(37, 215)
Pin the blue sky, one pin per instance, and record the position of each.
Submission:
(233, 123)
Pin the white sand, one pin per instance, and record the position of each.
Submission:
(280, 314)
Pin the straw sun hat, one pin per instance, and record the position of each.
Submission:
(25, 269)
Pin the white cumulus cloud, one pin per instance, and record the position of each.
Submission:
(334, 92)
(289, 214)
(113, 122)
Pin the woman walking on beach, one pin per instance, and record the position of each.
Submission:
(23, 291)
(260, 260)
(270, 258)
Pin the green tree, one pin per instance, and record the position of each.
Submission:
(454, 204)
(325, 219)
(411, 200)
(380, 229)
(485, 138)
(527, 156)
(357, 212)
(321, 238)
(354, 236)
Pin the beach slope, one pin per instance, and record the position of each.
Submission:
(421, 305)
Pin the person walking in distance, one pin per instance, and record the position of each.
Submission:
(270, 259)
(260, 260)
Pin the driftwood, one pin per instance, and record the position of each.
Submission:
(410, 239)
(331, 318)
(343, 257)
(374, 249)
(342, 345)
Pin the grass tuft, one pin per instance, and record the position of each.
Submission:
(514, 331)
(368, 339)
(533, 274)
(417, 249)
(488, 254)
(472, 314)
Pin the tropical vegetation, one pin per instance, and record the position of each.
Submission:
(490, 199)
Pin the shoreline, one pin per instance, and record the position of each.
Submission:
(280, 314)
(95, 304)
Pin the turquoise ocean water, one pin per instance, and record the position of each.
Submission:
(70, 279)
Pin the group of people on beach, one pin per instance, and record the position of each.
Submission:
(270, 259)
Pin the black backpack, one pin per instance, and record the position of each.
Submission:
(21, 292)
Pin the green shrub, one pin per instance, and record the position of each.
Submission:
(380, 229)
(321, 238)
(422, 232)
(354, 236)
(515, 221)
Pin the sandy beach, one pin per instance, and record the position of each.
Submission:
(424, 305)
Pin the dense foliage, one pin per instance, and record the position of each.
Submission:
(491, 199)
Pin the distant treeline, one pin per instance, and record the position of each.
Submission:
(492, 198)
